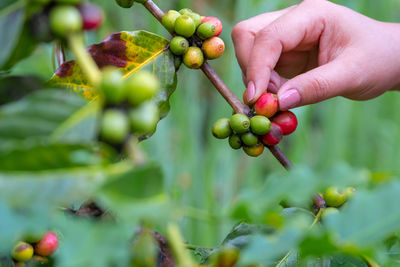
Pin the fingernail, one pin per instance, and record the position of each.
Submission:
(272, 88)
(251, 91)
(289, 99)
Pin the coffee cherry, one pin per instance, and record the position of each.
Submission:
(206, 30)
(143, 86)
(144, 118)
(114, 126)
(260, 125)
(184, 26)
(169, 19)
(249, 139)
(274, 136)
(328, 212)
(179, 45)
(185, 11)
(213, 47)
(222, 129)
(240, 123)
(92, 16)
(254, 151)
(349, 192)
(112, 85)
(227, 257)
(47, 245)
(193, 58)
(217, 23)
(65, 20)
(267, 105)
(333, 198)
(235, 142)
(195, 17)
(287, 120)
(22, 252)
(125, 3)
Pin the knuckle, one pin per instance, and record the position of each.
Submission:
(320, 87)
(238, 31)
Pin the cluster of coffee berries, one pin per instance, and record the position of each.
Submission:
(195, 37)
(58, 18)
(43, 246)
(129, 3)
(129, 106)
(266, 126)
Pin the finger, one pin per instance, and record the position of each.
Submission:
(292, 30)
(319, 84)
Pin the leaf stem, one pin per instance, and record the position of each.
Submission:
(85, 61)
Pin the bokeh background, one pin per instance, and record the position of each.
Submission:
(204, 173)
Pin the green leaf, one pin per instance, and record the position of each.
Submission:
(11, 24)
(130, 52)
(25, 85)
(38, 114)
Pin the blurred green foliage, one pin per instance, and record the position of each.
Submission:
(204, 174)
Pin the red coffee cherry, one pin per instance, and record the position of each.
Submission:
(217, 23)
(47, 245)
(274, 136)
(287, 120)
(267, 105)
(92, 16)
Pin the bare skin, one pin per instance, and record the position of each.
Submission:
(315, 51)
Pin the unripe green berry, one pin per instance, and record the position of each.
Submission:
(254, 151)
(144, 118)
(240, 123)
(213, 48)
(114, 126)
(185, 11)
(179, 45)
(260, 125)
(195, 17)
(235, 142)
(333, 198)
(143, 86)
(65, 20)
(125, 3)
(169, 19)
(112, 85)
(249, 139)
(328, 212)
(206, 30)
(184, 26)
(222, 129)
(193, 58)
(22, 252)
(349, 192)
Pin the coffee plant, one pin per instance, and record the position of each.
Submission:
(76, 188)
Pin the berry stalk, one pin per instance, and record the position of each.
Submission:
(226, 93)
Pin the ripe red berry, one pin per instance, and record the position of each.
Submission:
(274, 136)
(287, 121)
(47, 245)
(92, 16)
(217, 23)
(267, 105)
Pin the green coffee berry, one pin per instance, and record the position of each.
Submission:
(349, 192)
(169, 19)
(254, 151)
(185, 11)
(143, 86)
(206, 30)
(328, 212)
(112, 85)
(125, 3)
(22, 252)
(195, 17)
(240, 123)
(184, 26)
(235, 142)
(144, 118)
(65, 20)
(114, 126)
(193, 58)
(179, 45)
(260, 125)
(249, 139)
(222, 129)
(333, 198)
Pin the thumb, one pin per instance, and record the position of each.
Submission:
(333, 79)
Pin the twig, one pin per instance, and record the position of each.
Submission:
(226, 93)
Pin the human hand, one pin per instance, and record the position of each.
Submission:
(325, 49)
